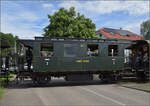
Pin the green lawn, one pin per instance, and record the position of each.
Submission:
(2, 80)
(142, 83)
(11, 75)
(1, 92)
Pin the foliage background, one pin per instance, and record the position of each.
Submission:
(145, 29)
(68, 23)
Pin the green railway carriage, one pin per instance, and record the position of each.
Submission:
(76, 59)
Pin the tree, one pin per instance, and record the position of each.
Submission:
(7, 42)
(145, 29)
(68, 23)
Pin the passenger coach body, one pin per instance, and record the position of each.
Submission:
(57, 56)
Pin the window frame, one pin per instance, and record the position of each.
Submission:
(51, 45)
(98, 54)
(73, 47)
(114, 55)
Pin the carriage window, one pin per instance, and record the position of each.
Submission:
(92, 50)
(46, 50)
(127, 55)
(70, 50)
(113, 50)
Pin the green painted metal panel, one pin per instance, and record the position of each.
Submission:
(44, 64)
(27, 42)
(103, 62)
(58, 49)
(70, 64)
(107, 63)
(81, 62)
(103, 49)
(36, 50)
(91, 63)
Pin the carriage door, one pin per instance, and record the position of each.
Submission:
(47, 58)
(71, 57)
(91, 61)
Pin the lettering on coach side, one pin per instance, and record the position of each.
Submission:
(82, 61)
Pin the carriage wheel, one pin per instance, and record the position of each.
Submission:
(43, 79)
(103, 78)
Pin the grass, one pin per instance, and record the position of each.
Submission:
(11, 75)
(4, 79)
(141, 83)
(1, 92)
(146, 84)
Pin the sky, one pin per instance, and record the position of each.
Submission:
(26, 19)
